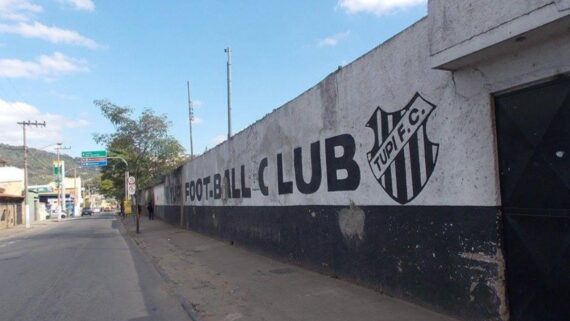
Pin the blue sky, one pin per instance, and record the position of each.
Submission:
(57, 56)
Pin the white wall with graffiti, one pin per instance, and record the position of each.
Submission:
(158, 195)
(386, 129)
(401, 141)
(383, 130)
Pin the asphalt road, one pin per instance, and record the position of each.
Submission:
(81, 269)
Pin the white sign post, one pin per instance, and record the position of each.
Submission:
(132, 187)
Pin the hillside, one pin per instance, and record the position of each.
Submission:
(40, 163)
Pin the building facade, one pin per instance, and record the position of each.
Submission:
(434, 168)
(73, 192)
(11, 196)
(12, 180)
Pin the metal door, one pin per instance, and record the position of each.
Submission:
(533, 129)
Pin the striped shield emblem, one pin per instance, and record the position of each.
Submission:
(402, 158)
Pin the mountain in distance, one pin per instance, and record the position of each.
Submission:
(40, 164)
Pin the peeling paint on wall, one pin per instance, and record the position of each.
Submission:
(298, 183)
(351, 222)
(479, 257)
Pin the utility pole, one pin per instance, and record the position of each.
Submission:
(59, 170)
(77, 194)
(126, 184)
(61, 192)
(190, 119)
(27, 205)
(228, 50)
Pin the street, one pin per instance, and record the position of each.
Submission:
(367, 160)
(80, 269)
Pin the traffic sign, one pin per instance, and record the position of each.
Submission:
(94, 164)
(131, 179)
(94, 158)
(132, 189)
(94, 153)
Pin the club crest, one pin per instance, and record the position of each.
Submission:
(402, 158)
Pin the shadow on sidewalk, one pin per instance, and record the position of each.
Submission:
(225, 282)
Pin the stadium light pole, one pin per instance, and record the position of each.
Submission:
(228, 50)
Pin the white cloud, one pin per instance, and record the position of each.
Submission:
(197, 120)
(333, 40)
(377, 7)
(197, 103)
(81, 5)
(62, 96)
(76, 123)
(18, 10)
(51, 34)
(14, 112)
(43, 67)
(219, 139)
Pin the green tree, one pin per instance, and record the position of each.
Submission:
(143, 141)
(107, 188)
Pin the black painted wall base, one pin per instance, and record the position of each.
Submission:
(170, 214)
(441, 257)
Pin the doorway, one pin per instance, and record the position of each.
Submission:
(533, 133)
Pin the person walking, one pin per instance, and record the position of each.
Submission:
(150, 210)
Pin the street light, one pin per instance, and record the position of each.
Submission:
(228, 51)
(61, 194)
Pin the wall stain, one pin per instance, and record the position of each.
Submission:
(328, 90)
(351, 222)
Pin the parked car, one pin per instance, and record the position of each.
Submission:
(96, 210)
(86, 211)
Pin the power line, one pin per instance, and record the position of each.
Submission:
(42, 161)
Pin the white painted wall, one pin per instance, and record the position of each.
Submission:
(387, 77)
(462, 32)
(12, 180)
(158, 194)
(457, 21)
(11, 174)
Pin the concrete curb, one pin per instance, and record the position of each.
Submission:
(186, 306)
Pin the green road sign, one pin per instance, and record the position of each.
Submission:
(94, 153)
(57, 169)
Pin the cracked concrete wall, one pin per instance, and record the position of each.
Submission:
(387, 77)
(158, 194)
(442, 248)
(453, 22)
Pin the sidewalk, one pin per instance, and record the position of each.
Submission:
(227, 283)
(21, 229)
(35, 227)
